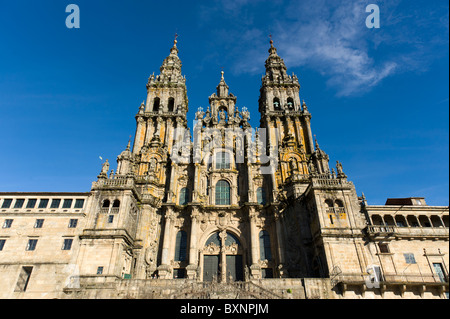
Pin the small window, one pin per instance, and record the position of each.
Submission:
(7, 223)
(39, 223)
(43, 203)
(73, 223)
(19, 203)
(31, 245)
(99, 270)
(110, 219)
(180, 246)
(264, 246)
(67, 203)
(106, 203)
(116, 203)
(261, 196)
(79, 203)
(439, 270)
(7, 203)
(24, 278)
(276, 103)
(156, 104)
(384, 248)
(184, 196)
(55, 203)
(31, 203)
(290, 103)
(222, 193)
(171, 104)
(409, 258)
(67, 244)
(2, 244)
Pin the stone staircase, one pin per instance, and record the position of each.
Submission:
(225, 290)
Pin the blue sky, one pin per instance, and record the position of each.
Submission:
(379, 97)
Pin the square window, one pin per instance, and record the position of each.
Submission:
(384, 248)
(67, 203)
(31, 244)
(79, 203)
(38, 223)
(31, 203)
(55, 203)
(67, 245)
(409, 258)
(110, 218)
(19, 203)
(7, 223)
(43, 203)
(73, 223)
(99, 270)
(7, 203)
(24, 278)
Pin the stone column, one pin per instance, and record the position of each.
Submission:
(140, 134)
(255, 269)
(148, 131)
(280, 240)
(191, 269)
(163, 269)
(309, 142)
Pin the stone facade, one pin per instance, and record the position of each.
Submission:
(224, 210)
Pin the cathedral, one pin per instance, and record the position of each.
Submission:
(221, 209)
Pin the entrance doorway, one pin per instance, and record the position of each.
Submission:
(222, 258)
(211, 267)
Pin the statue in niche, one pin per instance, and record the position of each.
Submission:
(222, 116)
(293, 164)
(152, 165)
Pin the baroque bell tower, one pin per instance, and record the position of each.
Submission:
(286, 122)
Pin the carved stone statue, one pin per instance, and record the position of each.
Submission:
(339, 168)
(222, 116)
(105, 168)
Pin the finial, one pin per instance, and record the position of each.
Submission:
(129, 143)
(316, 143)
(175, 41)
(271, 41)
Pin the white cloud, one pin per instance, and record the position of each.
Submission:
(331, 37)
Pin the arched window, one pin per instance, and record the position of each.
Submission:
(171, 104)
(264, 245)
(156, 103)
(184, 196)
(106, 203)
(222, 193)
(215, 239)
(329, 202)
(116, 203)
(339, 203)
(181, 246)
(222, 160)
(261, 196)
(276, 103)
(290, 103)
